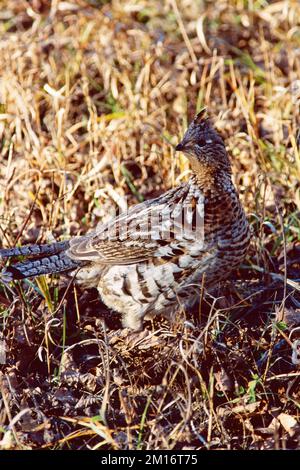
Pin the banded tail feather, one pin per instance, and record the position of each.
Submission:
(38, 263)
(34, 250)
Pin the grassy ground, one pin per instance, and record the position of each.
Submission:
(93, 95)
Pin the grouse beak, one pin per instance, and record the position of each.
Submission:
(179, 147)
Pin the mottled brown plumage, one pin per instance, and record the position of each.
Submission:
(147, 261)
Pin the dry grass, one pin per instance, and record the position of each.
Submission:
(93, 95)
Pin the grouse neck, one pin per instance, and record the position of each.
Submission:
(217, 182)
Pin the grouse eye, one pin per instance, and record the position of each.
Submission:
(201, 142)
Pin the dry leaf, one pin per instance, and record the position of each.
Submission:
(288, 422)
(223, 381)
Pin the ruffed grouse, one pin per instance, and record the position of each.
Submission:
(155, 257)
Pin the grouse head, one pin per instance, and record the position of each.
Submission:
(204, 147)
